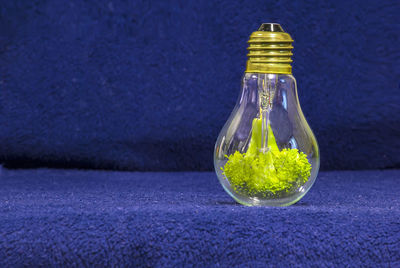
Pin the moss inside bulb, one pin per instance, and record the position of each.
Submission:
(259, 172)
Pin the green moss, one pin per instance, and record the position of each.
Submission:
(256, 172)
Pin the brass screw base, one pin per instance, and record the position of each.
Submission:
(269, 50)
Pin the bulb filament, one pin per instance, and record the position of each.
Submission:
(267, 91)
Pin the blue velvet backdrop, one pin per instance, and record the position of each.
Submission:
(148, 85)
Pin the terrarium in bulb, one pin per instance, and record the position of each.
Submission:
(266, 154)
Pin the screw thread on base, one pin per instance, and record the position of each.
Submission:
(270, 50)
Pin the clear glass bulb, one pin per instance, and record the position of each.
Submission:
(266, 154)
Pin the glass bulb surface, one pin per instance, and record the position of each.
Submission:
(266, 154)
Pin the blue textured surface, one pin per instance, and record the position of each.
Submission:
(147, 85)
(97, 218)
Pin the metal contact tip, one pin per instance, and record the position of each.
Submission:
(271, 27)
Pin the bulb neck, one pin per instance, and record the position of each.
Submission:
(270, 50)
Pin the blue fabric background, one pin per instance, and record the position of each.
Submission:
(148, 85)
(70, 218)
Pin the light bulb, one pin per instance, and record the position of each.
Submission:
(266, 154)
